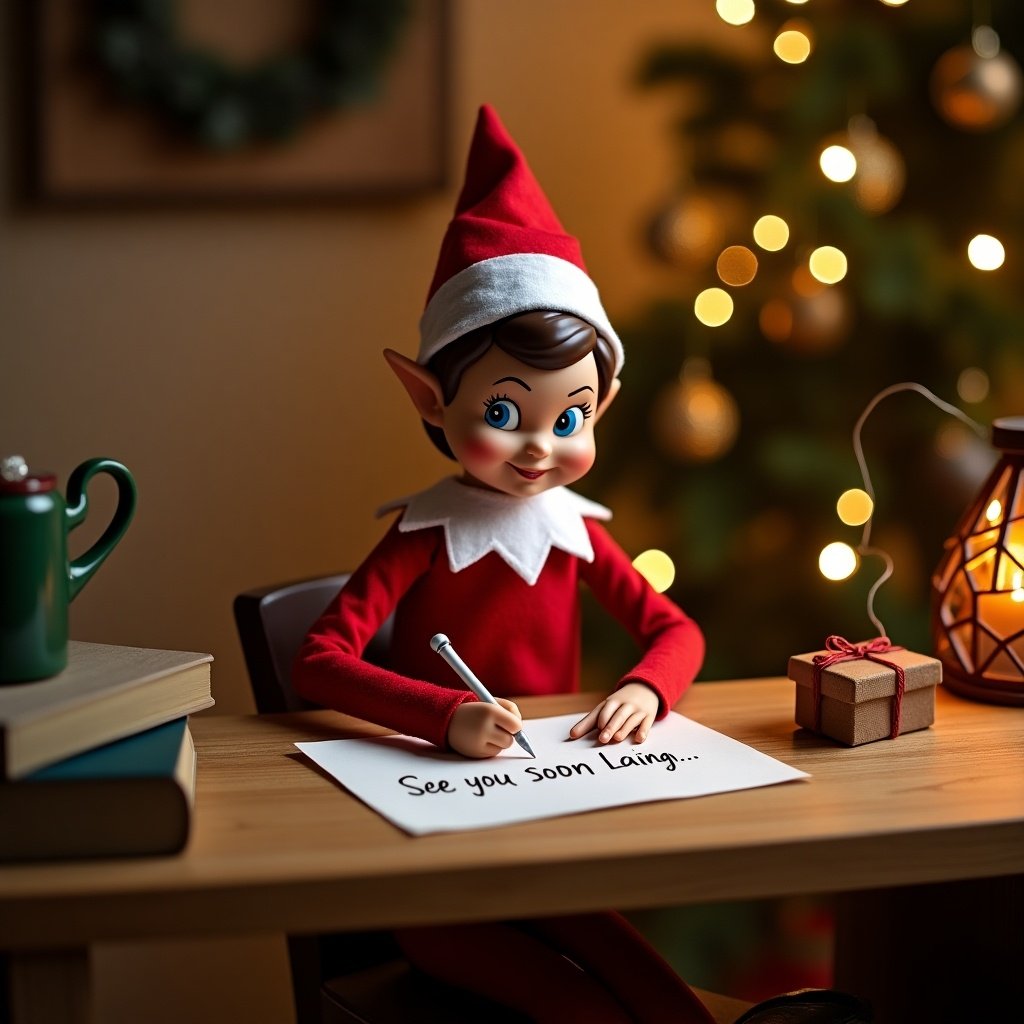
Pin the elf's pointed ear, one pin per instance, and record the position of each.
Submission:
(423, 387)
(613, 390)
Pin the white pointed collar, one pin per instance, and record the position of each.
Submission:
(521, 530)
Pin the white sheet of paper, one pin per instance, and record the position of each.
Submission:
(423, 789)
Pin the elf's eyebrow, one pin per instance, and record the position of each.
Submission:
(515, 379)
(586, 387)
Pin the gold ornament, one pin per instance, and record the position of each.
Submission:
(977, 88)
(880, 173)
(690, 231)
(812, 319)
(695, 419)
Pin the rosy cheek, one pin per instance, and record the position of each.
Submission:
(578, 460)
(479, 449)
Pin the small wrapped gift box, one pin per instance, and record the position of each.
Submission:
(857, 693)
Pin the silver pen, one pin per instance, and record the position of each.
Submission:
(440, 644)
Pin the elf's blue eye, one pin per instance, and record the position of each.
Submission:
(502, 413)
(571, 421)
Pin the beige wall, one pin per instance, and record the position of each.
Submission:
(231, 358)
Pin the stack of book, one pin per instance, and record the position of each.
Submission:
(98, 761)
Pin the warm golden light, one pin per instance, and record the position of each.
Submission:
(771, 232)
(986, 252)
(994, 511)
(837, 163)
(735, 12)
(837, 561)
(827, 264)
(972, 384)
(854, 507)
(737, 265)
(894, 3)
(713, 307)
(793, 44)
(657, 568)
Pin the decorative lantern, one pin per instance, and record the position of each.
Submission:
(978, 587)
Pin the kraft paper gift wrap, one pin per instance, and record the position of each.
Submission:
(858, 700)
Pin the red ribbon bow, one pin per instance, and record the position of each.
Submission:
(840, 649)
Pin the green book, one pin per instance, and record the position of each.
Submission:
(130, 797)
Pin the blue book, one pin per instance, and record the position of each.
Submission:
(130, 797)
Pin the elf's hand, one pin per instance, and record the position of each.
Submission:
(630, 709)
(478, 729)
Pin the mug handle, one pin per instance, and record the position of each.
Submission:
(81, 569)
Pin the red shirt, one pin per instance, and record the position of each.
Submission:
(518, 639)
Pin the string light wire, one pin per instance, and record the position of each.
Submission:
(864, 548)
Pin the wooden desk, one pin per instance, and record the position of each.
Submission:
(278, 846)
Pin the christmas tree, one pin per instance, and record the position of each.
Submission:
(828, 193)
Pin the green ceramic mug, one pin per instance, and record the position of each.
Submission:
(37, 582)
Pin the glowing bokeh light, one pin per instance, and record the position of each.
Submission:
(994, 511)
(737, 265)
(837, 163)
(657, 568)
(793, 44)
(986, 252)
(735, 12)
(828, 264)
(713, 307)
(953, 441)
(837, 561)
(854, 507)
(972, 385)
(771, 232)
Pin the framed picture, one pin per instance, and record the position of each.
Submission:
(92, 143)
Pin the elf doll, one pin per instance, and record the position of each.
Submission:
(517, 363)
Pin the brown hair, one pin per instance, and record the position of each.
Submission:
(543, 339)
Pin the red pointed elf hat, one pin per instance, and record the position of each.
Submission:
(505, 251)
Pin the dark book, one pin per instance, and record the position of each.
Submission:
(106, 692)
(126, 798)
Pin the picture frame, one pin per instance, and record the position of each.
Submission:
(91, 146)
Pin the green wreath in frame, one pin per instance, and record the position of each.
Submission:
(223, 106)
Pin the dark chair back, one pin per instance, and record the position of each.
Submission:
(272, 622)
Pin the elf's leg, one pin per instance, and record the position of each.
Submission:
(615, 954)
(510, 966)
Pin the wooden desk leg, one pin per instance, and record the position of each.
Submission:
(46, 987)
(933, 954)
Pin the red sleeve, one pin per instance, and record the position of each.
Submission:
(329, 669)
(672, 643)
